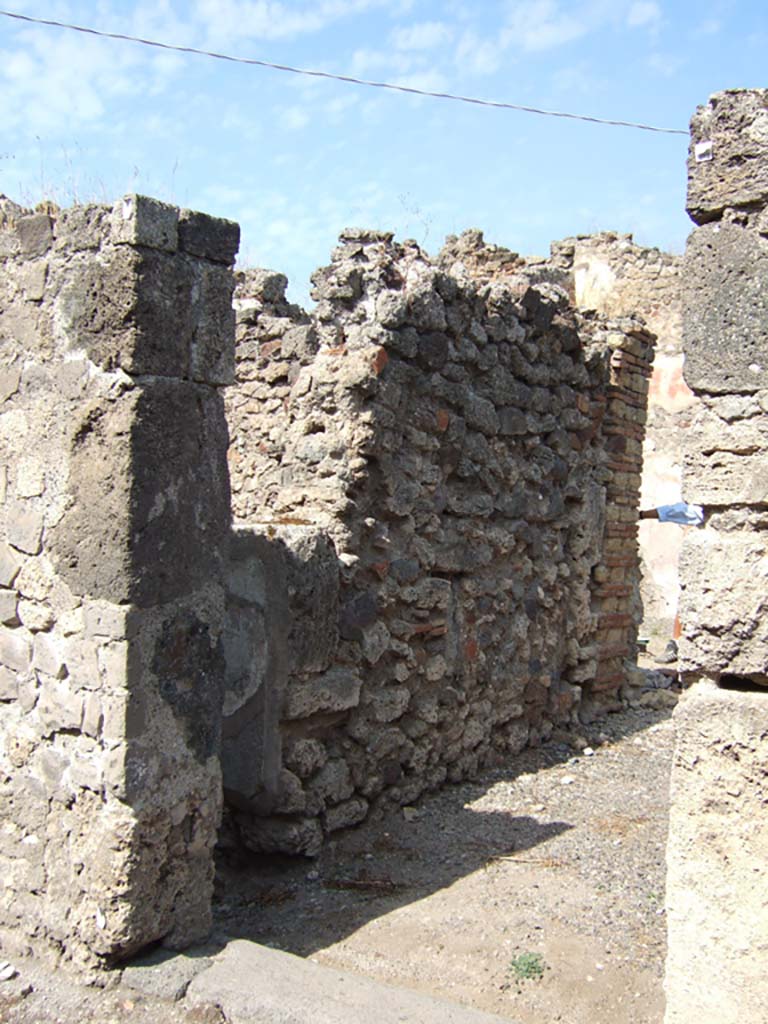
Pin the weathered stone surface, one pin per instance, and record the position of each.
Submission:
(59, 708)
(256, 654)
(10, 563)
(302, 992)
(144, 468)
(283, 835)
(8, 603)
(188, 664)
(9, 684)
(458, 436)
(210, 237)
(728, 154)
(15, 649)
(47, 656)
(718, 849)
(335, 690)
(111, 667)
(180, 490)
(35, 234)
(139, 220)
(305, 756)
(25, 528)
(724, 604)
(312, 578)
(717, 895)
(726, 452)
(152, 312)
(291, 796)
(725, 309)
(346, 814)
(165, 975)
(333, 783)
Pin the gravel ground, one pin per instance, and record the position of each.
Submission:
(554, 866)
(560, 860)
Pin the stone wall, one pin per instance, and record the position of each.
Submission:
(443, 460)
(116, 334)
(718, 849)
(435, 480)
(717, 857)
(610, 273)
(726, 342)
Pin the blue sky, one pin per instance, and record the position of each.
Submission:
(295, 159)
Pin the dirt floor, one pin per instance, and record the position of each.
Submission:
(555, 865)
(534, 892)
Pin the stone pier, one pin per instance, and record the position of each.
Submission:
(717, 888)
(116, 335)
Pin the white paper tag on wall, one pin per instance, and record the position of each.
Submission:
(703, 151)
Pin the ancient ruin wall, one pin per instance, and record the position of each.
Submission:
(608, 272)
(726, 343)
(717, 858)
(471, 448)
(116, 334)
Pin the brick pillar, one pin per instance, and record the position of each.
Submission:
(617, 577)
(116, 330)
(717, 858)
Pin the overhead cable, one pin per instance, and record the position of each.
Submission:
(340, 78)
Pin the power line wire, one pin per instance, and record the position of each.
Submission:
(341, 78)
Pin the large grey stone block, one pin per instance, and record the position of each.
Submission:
(150, 509)
(140, 220)
(152, 312)
(724, 604)
(726, 453)
(180, 500)
(213, 238)
(728, 155)
(725, 310)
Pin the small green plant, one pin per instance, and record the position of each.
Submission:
(527, 966)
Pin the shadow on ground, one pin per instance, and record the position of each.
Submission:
(396, 858)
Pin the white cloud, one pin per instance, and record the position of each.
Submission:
(477, 55)
(296, 118)
(710, 27)
(365, 62)
(665, 64)
(234, 20)
(424, 35)
(644, 13)
(541, 25)
(429, 81)
(52, 82)
(578, 79)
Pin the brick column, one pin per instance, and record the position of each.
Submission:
(617, 577)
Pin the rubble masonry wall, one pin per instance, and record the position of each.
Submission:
(608, 272)
(116, 334)
(435, 478)
(444, 461)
